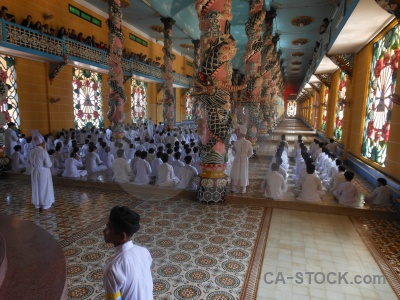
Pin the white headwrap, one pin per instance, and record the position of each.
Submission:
(243, 129)
(37, 138)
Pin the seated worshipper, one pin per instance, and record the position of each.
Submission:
(327, 165)
(135, 159)
(321, 158)
(71, 167)
(59, 156)
(131, 152)
(121, 169)
(347, 193)
(127, 274)
(274, 185)
(297, 144)
(28, 147)
(308, 187)
(156, 163)
(381, 196)
(151, 155)
(17, 160)
(165, 173)
(108, 158)
(332, 171)
(142, 170)
(336, 180)
(286, 144)
(177, 164)
(170, 155)
(186, 176)
(317, 151)
(93, 162)
(313, 147)
(242, 151)
(55, 169)
(332, 147)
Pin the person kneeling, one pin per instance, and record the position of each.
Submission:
(166, 175)
(186, 175)
(71, 167)
(274, 185)
(381, 196)
(121, 169)
(347, 193)
(309, 186)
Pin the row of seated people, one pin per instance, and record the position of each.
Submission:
(314, 169)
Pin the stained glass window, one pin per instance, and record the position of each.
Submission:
(382, 83)
(325, 109)
(88, 102)
(138, 101)
(340, 105)
(9, 109)
(291, 108)
(316, 109)
(189, 106)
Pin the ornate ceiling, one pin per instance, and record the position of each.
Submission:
(297, 23)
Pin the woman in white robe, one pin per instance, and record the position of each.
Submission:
(42, 182)
(71, 167)
(11, 139)
(93, 162)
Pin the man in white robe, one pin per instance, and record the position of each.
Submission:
(11, 139)
(347, 193)
(142, 170)
(336, 180)
(93, 162)
(186, 176)
(274, 184)
(127, 274)
(71, 167)
(242, 151)
(177, 164)
(381, 196)
(42, 182)
(308, 187)
(165, 173)
(332, 147)
(121, 169)
(18, 164)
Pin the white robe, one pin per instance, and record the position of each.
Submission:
(93, 163)
(42, 183)
(274, 185)
(186, 177)
(310, 185)
(142, 171)
(71, 168)
(17, 162)
(128, 273)
(347, 194)
(242, 150)
(177, 165)
(166, 176)
(108, 159)
(154, 166)
(380, 196)
(121, 170)
(10, 141)
(336, 181)
(55, 170)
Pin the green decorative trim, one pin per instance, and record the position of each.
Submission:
(77, 12)
(138, 40)
(189, 63)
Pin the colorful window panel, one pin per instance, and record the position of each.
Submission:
(379, 106)
(9, 109)
(291, 108)
(189, 106)
(138, 101)
(88, 101)
(340, 105)
(316, 109)
(325, 110)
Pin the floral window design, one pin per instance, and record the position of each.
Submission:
(340, 105)
(189, 106)
(138, 101)
(88, 102)
(325, 110)
(9, 110)
(379, 106)
(291, 108)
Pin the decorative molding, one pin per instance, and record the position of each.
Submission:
(302, 21)
(325, 78)
(344, 61)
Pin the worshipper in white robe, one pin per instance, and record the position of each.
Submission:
(165, 173)
(156, 163)
(186, 176)
(22, 142)
(55, 169)
(127, 274)
(229, 163)
(334, 169)
(242, 150)
(93, 162)
(18, 164)
(135, 159)
(150, 127)
(177, 164)
(28, 147)
(381, 196)
(347, 193)
(150, 155)
(142, 170)
(317, 151)
(274, 185)
(121, 168)
(283, 139)
(313, 146)
(233, 138)
(336, 180)
(108, 158)
(308, 187)
(10, 139)
(296, 144)
(332, 147)
(71, 167)
(42, 182)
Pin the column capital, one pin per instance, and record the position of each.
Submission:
(168, 22)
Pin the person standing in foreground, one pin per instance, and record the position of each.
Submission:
(242, 151)
(128, 273)
(11, 139)
(42, 182)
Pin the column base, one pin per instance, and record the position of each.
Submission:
(212, 190)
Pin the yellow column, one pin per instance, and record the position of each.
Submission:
(331, 113)
(321, 105)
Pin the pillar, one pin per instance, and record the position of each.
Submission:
(196, 62)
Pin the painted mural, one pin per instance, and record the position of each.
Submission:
(88, 104)
(340, 105)
(379, 106)
(138, 101)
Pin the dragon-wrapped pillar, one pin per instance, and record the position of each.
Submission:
(252, 60)
(117, 96)
(168, 85)
(196, 61)
(212, 87)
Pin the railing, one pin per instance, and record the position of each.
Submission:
(340, 16)
(21, 38)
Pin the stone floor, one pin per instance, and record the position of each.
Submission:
(223, 251)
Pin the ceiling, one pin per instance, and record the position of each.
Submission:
(142, 14)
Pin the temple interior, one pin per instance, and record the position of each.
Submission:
(322, 69)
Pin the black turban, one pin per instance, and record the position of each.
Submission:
(125, 219)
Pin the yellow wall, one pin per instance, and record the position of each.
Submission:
(34, 92)
(333, 94)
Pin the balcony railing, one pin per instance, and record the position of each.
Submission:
(340, 16)
(20, 38)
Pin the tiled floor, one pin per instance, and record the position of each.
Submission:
(218, 252)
